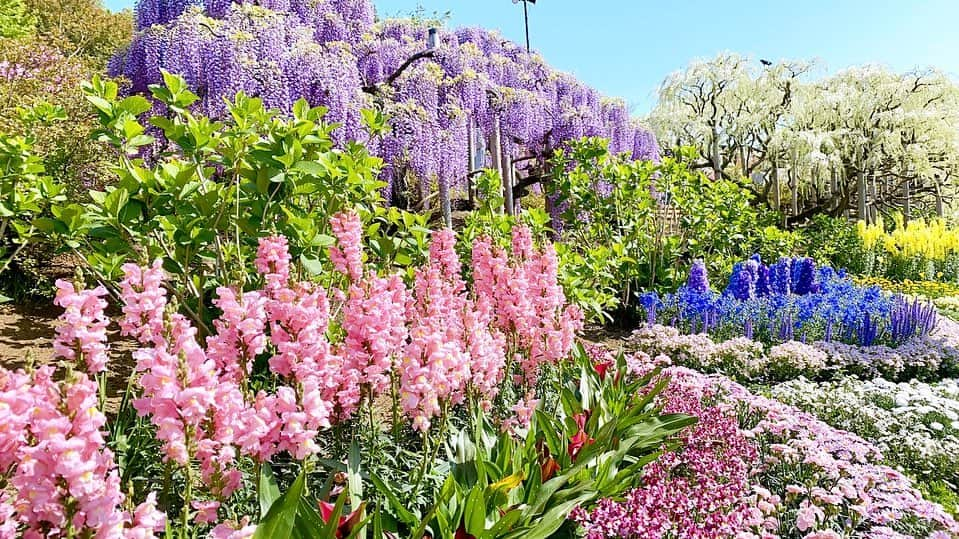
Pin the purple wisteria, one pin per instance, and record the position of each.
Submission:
(334, 54)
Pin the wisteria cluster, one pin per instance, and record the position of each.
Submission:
(802, 477)
(334, 54)
(743, 359)
(792, 299)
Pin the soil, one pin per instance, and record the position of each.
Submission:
(26, 337)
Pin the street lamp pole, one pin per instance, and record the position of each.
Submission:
(526, 19)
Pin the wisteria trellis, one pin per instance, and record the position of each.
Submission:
(334, 53)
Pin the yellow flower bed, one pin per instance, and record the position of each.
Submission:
(932, 240)
(928, 289)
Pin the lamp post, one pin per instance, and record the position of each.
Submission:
(526, 18)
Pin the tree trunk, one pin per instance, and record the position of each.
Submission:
(861, 195)
(939, 203)
(777, 196)
(907, 203)
(794, 191)
(717, 160)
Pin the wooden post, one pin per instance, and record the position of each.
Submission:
(470, 161)
(445, 205)
(508, 171)
(506, 165)
(495, 149)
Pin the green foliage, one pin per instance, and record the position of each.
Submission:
(83, 28)
(718, 222)
(630, 226)
(609, 215)
(593, 445)
(15, 20)
(202, 196)
(834, 240)
(51, 79)
(26, 193)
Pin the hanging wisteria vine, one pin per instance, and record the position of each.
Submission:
(334, 53)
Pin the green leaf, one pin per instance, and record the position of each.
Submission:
(398, 507)
(475, 513)
(309, 524)
(312, 265)
(269, 490)
(281, 517)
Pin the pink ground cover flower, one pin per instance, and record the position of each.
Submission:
(703, 489)
(736, 473)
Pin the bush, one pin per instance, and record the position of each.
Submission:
(612, 215)
(198, 194)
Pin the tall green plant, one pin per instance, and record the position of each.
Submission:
(26, 192)
(198, 193)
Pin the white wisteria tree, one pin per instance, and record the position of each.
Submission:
(862, 141)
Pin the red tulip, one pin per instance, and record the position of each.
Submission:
(602, 367)
(347, 523)
(580, 439)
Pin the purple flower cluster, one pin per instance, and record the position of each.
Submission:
(792, 299)
(335, 54)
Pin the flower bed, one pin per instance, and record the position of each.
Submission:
(807, 479)
(915, 425)
(931, 357)
(791, 300)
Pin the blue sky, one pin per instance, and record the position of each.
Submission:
(626, 47)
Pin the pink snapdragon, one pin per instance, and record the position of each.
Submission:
(197, 413)
(347, 254)
(144, 302)
(63, 478)
(240, 332)
(528, 302)
(273, 261)
(233, 530)
(374, 319)
(487, 350)
(82, 333)
(435, 365)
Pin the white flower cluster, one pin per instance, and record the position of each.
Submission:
(915, 424)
